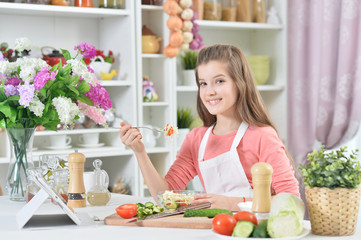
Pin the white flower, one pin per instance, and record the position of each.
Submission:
(8, 67)
(36, 106)
(29, 67)
(79, 68)
(66, 109)
(22, 44)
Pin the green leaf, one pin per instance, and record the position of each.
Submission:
(2, 94)
(66, 54)
(8, 111)
(83, 87)
(73, 89)
(85, 100)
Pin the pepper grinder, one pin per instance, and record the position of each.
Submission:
(261, 179)
(76, 189)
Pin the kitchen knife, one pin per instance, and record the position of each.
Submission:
(171, 213)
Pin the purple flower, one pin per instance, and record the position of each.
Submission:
(99, 96)
(86, 49)
(13, 81)
(10, 90)
(26, 93)
(42, 77)
(2, 56)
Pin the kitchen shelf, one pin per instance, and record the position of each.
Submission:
(225, 25)
(149, 55)
(261, 88)
(152, 8)
(63, 11)
(116, 83)
(155, 104)
(76, 131)
(105, 151)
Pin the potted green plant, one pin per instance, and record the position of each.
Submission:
(185, 118)
(189, 61)
(332, 183)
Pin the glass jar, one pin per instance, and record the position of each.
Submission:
(259, 11)
(83, 3)
(212, 10)
(243, 11)
(119, 4)
(229, 10)
(61, 179)
(60, 2)
(31, 188)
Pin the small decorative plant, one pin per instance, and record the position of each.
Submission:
(99, 53)
(189, 59)
(332, 170)
(184, 117)
(5, 52)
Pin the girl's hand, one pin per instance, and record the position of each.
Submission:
(217, 201)
(131, 137)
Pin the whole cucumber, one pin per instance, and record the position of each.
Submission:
(205, 212)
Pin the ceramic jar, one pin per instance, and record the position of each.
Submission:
(150, 44)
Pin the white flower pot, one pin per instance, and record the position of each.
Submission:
(182, 133)
(100, 67)
(189, 77)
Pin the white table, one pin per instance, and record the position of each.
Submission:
(99, 231)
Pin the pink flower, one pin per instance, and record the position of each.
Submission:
(86, 49)
(99, 96)
(42, 77)
(13, 81)
(93, 112)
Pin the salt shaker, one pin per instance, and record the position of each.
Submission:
(261, 179)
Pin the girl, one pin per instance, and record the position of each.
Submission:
(237, 133)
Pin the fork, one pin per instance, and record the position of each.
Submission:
(152, 129)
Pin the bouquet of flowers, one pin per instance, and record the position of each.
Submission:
(32, 93)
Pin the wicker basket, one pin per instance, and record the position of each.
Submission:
(333, 212)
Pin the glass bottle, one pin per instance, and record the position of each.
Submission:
(99, 195)
(119, 4)
(61, 179)
(83, 3)
(229, 10)
(212, 10)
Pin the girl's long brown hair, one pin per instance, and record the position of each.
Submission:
(250, 107)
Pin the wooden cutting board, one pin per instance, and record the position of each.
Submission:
(176, 221)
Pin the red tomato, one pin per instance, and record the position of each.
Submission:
(246, 216)
(223, 224)
(127, 210)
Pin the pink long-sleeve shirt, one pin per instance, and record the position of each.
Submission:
(259, 144)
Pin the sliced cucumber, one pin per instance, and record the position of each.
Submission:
(243, 229)
(205, 212)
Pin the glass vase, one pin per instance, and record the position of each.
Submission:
(21, 144)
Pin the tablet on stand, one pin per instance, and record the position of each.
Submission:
(26, 214)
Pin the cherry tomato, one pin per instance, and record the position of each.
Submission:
(246, 216)
(224, 224)
(127, 210)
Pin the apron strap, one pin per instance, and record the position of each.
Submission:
(203, 145)
(240, 133)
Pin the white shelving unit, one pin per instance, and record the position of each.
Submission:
(252, 39)
(160, 71)
(65, 27)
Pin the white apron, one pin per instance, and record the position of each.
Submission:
(224, 174)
